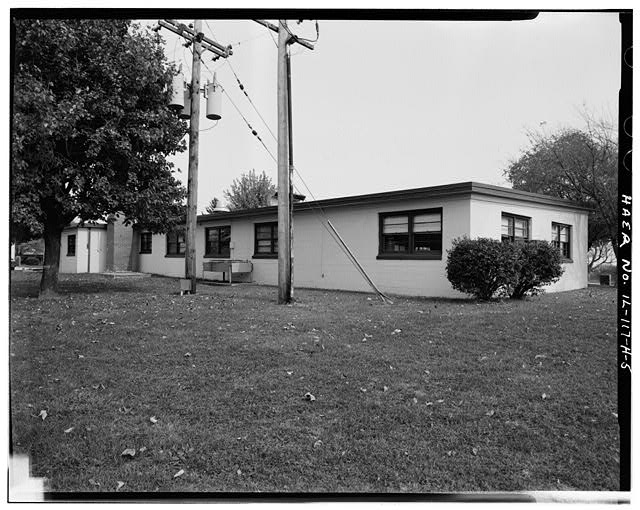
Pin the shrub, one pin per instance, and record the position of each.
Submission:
(537, 263)
(482, 266)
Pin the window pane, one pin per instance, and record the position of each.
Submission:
(225, 241)
(564, 234)
(507, 226)
(395, 225)
(212, 234)
(554, 234)
(425, 243)
(520, 228)
(264, 246)
(427, 223)
(395, 243)
(263, 232)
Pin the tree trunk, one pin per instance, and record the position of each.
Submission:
(49, 281)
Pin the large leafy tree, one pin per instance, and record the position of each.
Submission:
(579, 165)
(91, 132)
(250, 190)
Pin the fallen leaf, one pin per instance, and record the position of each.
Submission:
(239, 472)
(440, 401)
(43, 414)
(153, 419)
(363, 390)
(415, 400)
(143, 449)
(80, 356)
(120, 485)
(490, 413)
(308, 396)
(179, 473)
(385, 388)
(615, 414)
(130, 452)
(68, 430)
(395, 331)
(317, 444)
(93, 482)
(187, 354)
(544, 396)
(474, 451)
(289, 373)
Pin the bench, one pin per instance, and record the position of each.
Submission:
(229, 266)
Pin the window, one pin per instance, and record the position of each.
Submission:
(266, 240)
(145, 242)
(217, 242)
(515, 228)
(411, 234)
(71, 245)
(561, 239)
(175, 244)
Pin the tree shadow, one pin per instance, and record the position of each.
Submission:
(28, 285)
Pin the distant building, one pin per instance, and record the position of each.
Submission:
(98, 246)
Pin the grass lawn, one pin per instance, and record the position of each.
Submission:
(418, 396)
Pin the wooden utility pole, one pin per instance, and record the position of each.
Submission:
(200, 44)
(285, 284)
(192, 182)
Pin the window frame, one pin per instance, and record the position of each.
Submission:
(514, 239)
(274, 237)
(411, 253)
(143, 248)
(224, 254)
(177, 254)
(71, 247)
(557, 225)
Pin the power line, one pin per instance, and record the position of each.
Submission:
(253, 131)
(247, 96)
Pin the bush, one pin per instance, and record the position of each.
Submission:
(481, 267)
(538, 263)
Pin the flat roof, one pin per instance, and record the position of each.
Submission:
(442, 191)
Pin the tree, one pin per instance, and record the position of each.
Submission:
(250, 191)
(600, 254)
(579, 165)
(211, 208)
(90, 129)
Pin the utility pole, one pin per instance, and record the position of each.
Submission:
(192, 182)
(200, 43)
(285, 283)
(285, 159)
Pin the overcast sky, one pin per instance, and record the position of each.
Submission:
(388, 105)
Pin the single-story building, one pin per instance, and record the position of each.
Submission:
(98, 247)
(400, 238)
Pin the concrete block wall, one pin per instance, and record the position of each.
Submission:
(122, 254)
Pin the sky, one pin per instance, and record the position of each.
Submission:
(388, 105)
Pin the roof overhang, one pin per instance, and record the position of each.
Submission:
(463, 189)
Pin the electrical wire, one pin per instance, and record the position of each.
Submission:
(253, 131)
(249, 98)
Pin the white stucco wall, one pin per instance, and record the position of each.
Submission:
(486, 221)
(83, 259)
(320, 263)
